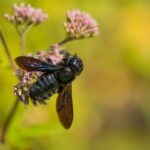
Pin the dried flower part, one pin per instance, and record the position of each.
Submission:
(21, 90)
(80, 25)
(25, 14)
(19, 73)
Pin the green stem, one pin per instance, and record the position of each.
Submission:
(16, 104)
(21, 33)
(7, 51)
(22, 43)
(8, 121)
(14, 108)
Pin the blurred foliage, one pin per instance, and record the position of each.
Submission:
(111, 98)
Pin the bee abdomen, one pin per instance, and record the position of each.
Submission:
(44, 87)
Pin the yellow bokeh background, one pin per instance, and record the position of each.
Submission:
(111, 97)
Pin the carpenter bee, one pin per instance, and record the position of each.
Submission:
(56, 78)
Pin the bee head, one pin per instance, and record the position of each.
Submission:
(76, 64)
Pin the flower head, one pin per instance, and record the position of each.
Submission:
(80, 25)
(26, 14)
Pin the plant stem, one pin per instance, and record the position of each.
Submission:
(21, 34)
(65, 41)
(8, 121)
(16, 104)
(13, 110)
(7, 51)
(22, 42)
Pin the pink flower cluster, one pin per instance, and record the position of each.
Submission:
(54, 55)
(80, 25)
(25, 14)
(21, 90)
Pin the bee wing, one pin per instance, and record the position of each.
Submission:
(33, 64)
(64, 106)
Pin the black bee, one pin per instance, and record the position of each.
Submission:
(55, 79)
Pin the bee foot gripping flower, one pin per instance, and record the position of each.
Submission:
(80, 25)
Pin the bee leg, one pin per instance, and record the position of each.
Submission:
(34, 102)
(42, 102)
(49, 60)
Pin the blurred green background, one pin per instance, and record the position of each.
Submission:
(111, 97)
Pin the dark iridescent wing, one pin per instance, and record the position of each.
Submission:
(33, 64)
(64, 106)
